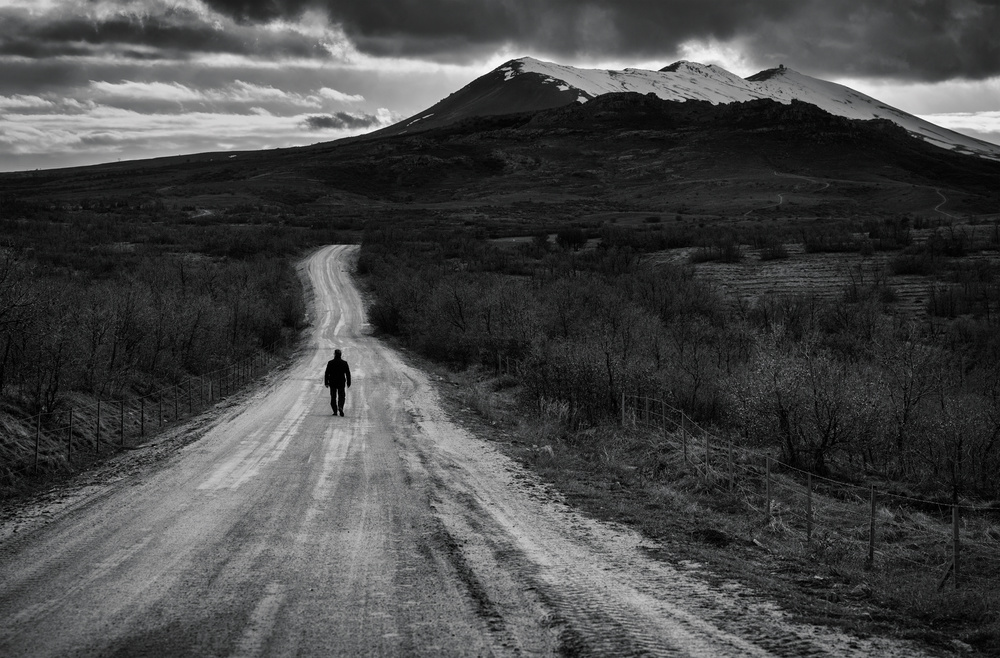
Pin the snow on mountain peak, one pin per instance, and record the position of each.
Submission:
(528, 84)
(685, 80)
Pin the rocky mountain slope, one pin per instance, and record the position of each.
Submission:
(619, 151)
(529, 85)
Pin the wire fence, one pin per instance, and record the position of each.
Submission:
(866, 524)
(84, 432)
(862, 522)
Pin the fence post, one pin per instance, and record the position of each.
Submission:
(684, 437)
(663, 418)
(956, 542)
(708, 458)
(767, 490)
(871, 532)
(97, 442)
(38, 438)
(732, 468)
(809, 507)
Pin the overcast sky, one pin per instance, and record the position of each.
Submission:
(87, 81)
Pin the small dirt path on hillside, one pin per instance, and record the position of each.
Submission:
(286, 531)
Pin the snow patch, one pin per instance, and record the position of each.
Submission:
(685, 80)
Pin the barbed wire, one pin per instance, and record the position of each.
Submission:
(90, 419)
(691, 425)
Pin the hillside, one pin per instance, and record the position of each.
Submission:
(623, 152)
(528, 85)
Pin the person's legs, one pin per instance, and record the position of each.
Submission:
(333, 399)
(341, 394)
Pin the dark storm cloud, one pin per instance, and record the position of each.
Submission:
(913, 39)
(341, 121)
(176, 34)
(930, 40)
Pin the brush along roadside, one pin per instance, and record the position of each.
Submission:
(640, 477)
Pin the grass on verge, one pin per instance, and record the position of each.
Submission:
(640, 478)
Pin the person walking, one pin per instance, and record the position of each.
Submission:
(338, 374)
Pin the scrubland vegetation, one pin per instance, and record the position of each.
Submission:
(640, 243)
(851, 387)
(107, 301)
(845, 386)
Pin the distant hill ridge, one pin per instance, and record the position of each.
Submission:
(530, 85)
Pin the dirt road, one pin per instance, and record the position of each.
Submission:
(391, 531)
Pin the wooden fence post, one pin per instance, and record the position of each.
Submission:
(767, 490)
(708, 458)
(684, 437)
(732, 468)
(956, 542)
(809, 507)
(871, 532)
(38, 438)
(663, 417)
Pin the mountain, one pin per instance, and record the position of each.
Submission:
(530, 85)
(723, 149)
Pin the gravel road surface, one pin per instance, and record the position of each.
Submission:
(285, 530)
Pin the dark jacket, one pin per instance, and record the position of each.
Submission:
(338, 373)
